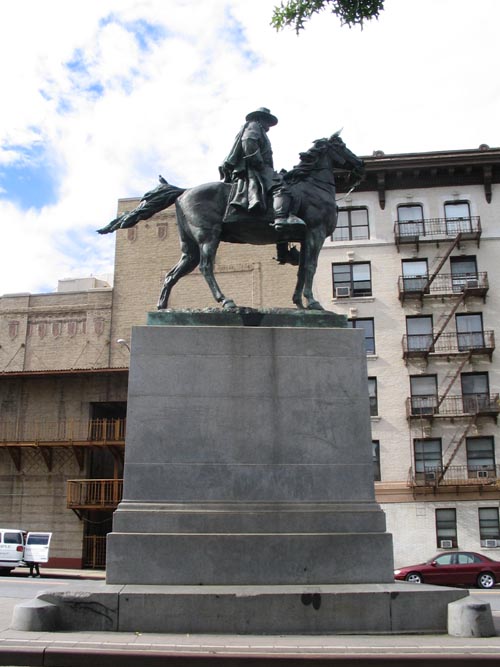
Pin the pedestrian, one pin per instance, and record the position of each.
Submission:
(33, 566)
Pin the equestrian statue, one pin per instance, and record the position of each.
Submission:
(254, 204)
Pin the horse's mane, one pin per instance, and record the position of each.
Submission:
(308, 161)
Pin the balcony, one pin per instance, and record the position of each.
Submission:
(443, 285)
(453, 407)
(420, 346)
(434, 230)
(467, 476)
(78, 435)
(94, 494)
(70, 431)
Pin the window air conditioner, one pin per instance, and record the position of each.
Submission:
(430, 476)
(342, 292)
(482, 473)
(471, 283)
(490, 544)
(446, 544)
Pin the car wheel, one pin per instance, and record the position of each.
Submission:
(5, 570)
(486, 580)
(414, 578)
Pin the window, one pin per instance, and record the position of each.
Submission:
(428, 456)
(368, 324)
(352, 279)
(489, 525)
(467, 559)
(415, 274)
(410, 220)
(480, 456)
(376, 460)
(475, 391)
(457, 214)
(463, 272)
(352, 224)
(419, 333)
(445, 559)
(446, 528)
(470, 333)
(372, 393)
(423, 394)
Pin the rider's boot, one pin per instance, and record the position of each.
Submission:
(287, 254)
(282, 216)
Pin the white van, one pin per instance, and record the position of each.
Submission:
(36, 549)
(18, 548)
(12, 541)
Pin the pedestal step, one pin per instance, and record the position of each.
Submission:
(356, 609)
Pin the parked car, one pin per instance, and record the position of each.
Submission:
(453, 568)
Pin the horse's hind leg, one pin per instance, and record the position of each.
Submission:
(189, 260)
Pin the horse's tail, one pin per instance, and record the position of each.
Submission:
(158, 199)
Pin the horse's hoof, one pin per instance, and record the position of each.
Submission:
(228, 303)
(299, 304)
(315, 305)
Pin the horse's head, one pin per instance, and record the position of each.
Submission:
(343, 158)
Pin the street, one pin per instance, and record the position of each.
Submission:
(104, 649)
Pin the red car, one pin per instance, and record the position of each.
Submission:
(453, 568)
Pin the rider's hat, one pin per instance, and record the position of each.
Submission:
(263, 114)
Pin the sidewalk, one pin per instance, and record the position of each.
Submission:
(145, 650)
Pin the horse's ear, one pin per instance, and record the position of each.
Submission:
(338, 132)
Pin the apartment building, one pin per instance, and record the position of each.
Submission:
(414, 263)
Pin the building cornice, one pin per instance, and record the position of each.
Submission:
(398, 171)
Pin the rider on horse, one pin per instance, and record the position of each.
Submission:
(249, 166)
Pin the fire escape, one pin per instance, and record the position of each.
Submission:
(452, 290)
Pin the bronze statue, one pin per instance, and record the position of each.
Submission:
(201, 213)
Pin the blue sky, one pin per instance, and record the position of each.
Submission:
(114, 92)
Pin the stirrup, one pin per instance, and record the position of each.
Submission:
(291, 220)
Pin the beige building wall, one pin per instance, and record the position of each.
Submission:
(61, 330)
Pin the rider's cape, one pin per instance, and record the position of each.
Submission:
(250, 186)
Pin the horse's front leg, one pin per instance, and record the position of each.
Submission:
(301, 274)
(312, 246)
(208, 251)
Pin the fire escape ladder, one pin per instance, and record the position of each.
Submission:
(442, 260)
(459, 369)
(456, 443)
(460, 299)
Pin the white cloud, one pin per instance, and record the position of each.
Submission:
(111, 112)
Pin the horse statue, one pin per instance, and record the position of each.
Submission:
(200, 213)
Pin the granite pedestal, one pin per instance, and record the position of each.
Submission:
(248, 460)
